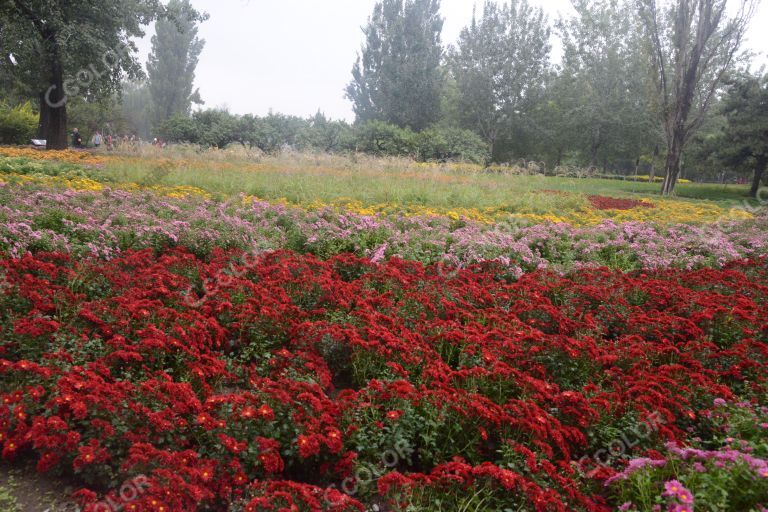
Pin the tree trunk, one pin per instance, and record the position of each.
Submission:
(652, 175)
(594, 147)
(671, 170)
(54, 106)
(53, 123)
(593, 154)
(758, 177)
(42, 126)
(491, 150)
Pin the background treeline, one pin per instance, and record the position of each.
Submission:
(276, 132)
(617, 99)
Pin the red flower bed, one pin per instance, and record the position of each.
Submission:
(615, 203)
(290, 383)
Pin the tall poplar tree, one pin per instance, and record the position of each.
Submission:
(171, 68)
(397, 77)
(604, 94)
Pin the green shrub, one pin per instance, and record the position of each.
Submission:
(326, 135)
(274, 132)
(433, 144)
(382, 139)
(217, 128)
(180, 129)
(451, 144)
(18, 124)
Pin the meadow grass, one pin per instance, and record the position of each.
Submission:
(307, 178)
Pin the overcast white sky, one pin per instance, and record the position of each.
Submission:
(295, 56)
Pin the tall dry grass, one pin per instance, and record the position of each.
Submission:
(312, 177)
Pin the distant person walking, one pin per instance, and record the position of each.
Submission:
(77, 139)
(97, 139)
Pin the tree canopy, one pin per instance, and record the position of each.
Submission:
(171, 67)
(66, 48)
(603, 95)
(743, 141)
(691, 46)
(397, 77)
(500, 64)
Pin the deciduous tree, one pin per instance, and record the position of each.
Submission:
(69, 48)
(602, 91)
(692, 44)
(499, 65)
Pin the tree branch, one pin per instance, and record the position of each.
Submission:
(28, 13)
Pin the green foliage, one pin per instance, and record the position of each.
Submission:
(216, 127)
(380, 138)
(275, 132)
(690, 49)
(171, 68)
(91, 115)
(432, 144)
(29, 167)
(455, 144)
(742, 143)
(725, 473)
(8, 501)
(259, 133)
(484, 497)
(82, 38)
(326, 135)
(500, 64)
(133, 114)
(744, 425)
(179, 129)
(731, 489)
(71, 49)
(397, 77)
(600, 102)
(18, 124)
(219, 128)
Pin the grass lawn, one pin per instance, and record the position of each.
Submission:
(369, 185)
(305, 178)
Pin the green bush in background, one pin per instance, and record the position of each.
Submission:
(17, 124)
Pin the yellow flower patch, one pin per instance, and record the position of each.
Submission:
(54, 181)
(665, 212)
(87, 184)
(69, 156)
